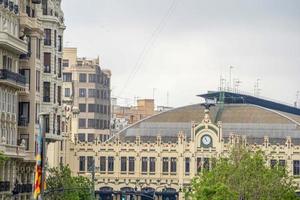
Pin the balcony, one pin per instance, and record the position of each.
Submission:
(22, 188)
(36, 1)
(13, 150)
(53, 137)
(4, 186)
(12, 79)
(30, 23)
(23, 121)
(12, 43)
(46, 99)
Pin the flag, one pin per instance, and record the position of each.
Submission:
(39, 165)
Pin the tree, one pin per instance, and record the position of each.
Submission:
(244, 175)
(61, 185)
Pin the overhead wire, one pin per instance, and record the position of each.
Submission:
(148, 45)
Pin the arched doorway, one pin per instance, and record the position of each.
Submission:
(105, 193)
(147, 193)
(169, 194)
(127, 193)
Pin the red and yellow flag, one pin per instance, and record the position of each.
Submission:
(39, 164)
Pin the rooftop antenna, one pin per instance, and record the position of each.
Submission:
(256, 88)
(237, 83)
(230, 73)
(297, 98)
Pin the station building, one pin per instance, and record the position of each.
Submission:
(156, 158)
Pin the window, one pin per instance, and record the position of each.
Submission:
(273, 163)
(38, 48)
(59, 68)
(37, 111)
(82, 78)
(165, 165)
(131, 164)
(46, 96)
(92, 92)
(296, 164)
(102, 164)
(82, 92)
(38, 81)
(91, 123)
(206, 164)
(92, 108)
(58, 124)
(91, 137)
(90, 163)
(81, 137)
(60, 45)
(282, 163)
(123, 164)
(92, 78)
(199, 165)
(144, 164)
(54, 93)
(82, 163)
(82, 107)
(67, 77)
(45, 7)
(67, 92)
(47, 62)
(47, 39)
(55, 38)
(62, 145)
(82, 123)
(59, 95)
(110, 164)
(173, 165)
(54, 67)
(7, 63)
(24, 113)
(47, 123)
(187, 165)
(152, 165)
(65, 63)
(26, 73)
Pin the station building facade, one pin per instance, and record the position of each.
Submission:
(159, 156)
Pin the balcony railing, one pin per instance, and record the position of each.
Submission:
(4, 186)
(22, 188)
(46, 99)
(47, 69)
(12, 76)
(23, 121)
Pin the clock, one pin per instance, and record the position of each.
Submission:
(206, 141)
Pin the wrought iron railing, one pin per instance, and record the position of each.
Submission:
(12, 76)
(4, 186)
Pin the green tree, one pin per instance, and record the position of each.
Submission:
(244, 175)
(61, 185)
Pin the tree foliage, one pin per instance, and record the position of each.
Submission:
(244, 175)
(61, 185)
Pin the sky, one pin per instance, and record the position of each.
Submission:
(176, 49)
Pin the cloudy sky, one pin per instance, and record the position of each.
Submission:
(181, 47)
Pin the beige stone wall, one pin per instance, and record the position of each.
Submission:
(179, 151)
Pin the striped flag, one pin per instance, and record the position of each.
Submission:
(38, 166)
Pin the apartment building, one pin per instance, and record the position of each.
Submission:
(16, 173)
(52, 18)
(86, 88)
(31, 34)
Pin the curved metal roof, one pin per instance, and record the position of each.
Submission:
(245, 119)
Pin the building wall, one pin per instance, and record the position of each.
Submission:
(52, 18)
(96, 101)
(16, 170)
(185, 160)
